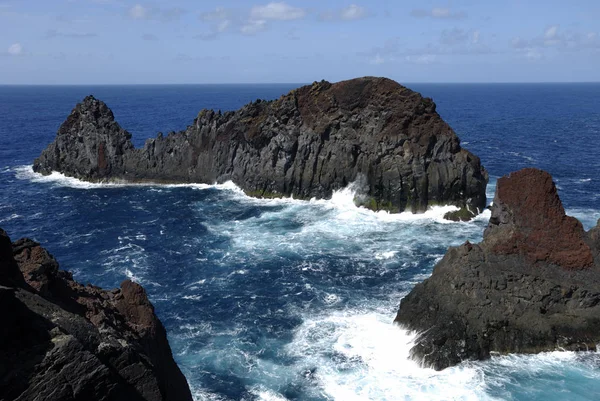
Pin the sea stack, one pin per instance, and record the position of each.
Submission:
(531, 285)
(308, 143)
(60, 340)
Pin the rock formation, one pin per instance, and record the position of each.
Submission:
(308, 143)
(531, 285)
(60, 340)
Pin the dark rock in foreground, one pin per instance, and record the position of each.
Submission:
(60, 340)
(308, 143)
(531, 285)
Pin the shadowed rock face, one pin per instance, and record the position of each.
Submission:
(60, 340)
(308, 143)
(531, 285)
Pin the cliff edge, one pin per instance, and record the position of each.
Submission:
(60, 340)
(308, 143)
(531, 285)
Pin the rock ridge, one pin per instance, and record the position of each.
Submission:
(531, 285)
(61, 340)
(308, 143)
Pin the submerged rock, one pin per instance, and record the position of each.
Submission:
(60, 340)
(531, 285)
(308, 143)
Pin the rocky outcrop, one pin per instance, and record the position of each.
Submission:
(531, 285)
(308, 143)
(60, 340)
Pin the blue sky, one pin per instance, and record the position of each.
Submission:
(186, 41)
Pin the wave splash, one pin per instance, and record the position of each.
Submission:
(343, 199)
(61, 180)
(362, 356)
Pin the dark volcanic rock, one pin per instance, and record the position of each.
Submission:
(308, 143)
(531, 285)
(60, 340)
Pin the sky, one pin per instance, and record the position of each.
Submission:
(206, 41)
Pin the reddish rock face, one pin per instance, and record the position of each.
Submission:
(135, 306)
(528, 218)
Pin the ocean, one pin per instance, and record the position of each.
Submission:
(288, 299)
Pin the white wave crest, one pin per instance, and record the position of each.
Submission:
(588, 217)
(61, 180)
(355, 356)
(343, 200)
(264, 394)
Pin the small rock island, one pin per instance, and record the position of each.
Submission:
(61, 340)
(531, 285)
(308, 143)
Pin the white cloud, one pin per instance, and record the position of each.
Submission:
(220, 20)
(440, 13)
(276, 11)
(222, 26)
(437, 12)
(476, 35)
(353, 12)
(15, 49)
(139, 12)
(553, 37)
(248, 22)
(252, 27)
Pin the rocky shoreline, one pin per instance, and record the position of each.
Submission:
(308, 143)
(531, 285)
(61, 340)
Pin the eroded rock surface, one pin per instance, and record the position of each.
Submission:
(308, 143)
(531, 285)
(60, 340)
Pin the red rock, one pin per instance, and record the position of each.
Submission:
(528, 218)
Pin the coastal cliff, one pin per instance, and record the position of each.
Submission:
(308, 143)
(531, 285)
(60, 340)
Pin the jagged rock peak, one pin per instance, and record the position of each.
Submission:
(308, 143)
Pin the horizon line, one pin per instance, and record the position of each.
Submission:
(300, 83)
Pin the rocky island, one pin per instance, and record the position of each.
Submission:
(60, 340)
(308, 143)
(531, 285)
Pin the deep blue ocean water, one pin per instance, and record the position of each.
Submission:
(285, 299)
